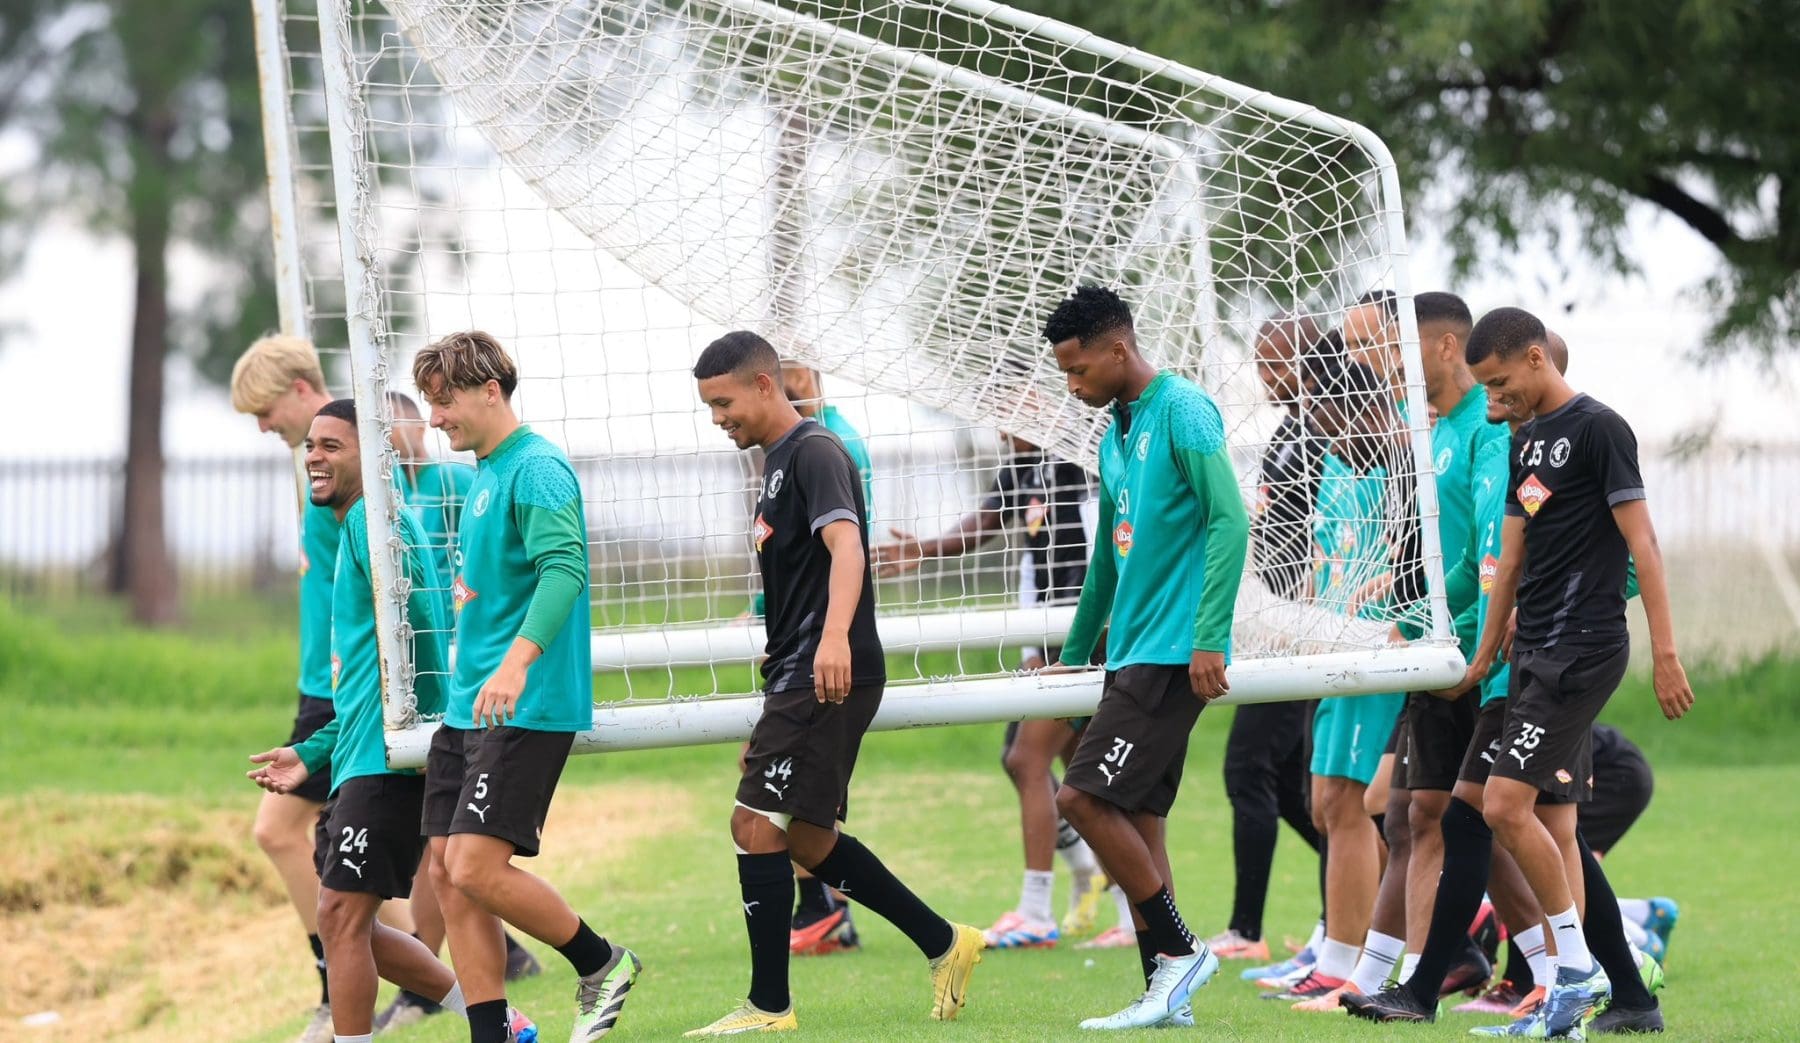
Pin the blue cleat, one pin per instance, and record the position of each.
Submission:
(1574, 1000)
(1660, 924)
(1298, 964)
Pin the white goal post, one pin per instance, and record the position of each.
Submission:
(895, 194)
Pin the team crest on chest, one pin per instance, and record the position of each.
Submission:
(774, 484)
(1143, 446)
(1532, 494)
(1442, 463)
(480, 506)
(1559, 453)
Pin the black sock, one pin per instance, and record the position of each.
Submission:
(1518, 968)
(1146, 955)
(1606, 934)
(487, 1021)
(1468, 850)
(318, 948)
(1162, 923)
(854, 870)
(812, 897)
(766, 881)
(587, 952)
(1253, 853)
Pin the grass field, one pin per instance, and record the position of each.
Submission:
(133, 903)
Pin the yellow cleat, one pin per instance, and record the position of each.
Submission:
(1085, 908)
(950, 972)
(748, 1018)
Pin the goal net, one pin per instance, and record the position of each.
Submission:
(895, 194)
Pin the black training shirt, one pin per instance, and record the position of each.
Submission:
(1045, 496)
(809, 481)
(1570, 468)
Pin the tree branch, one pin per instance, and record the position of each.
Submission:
(1708, 221)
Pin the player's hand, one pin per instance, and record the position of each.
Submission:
(892, 559)
(282, 770)
(498, 700)
(1471, 677)
(831, 668)
(1372, 591)
(1673, 693)
(1507, 635)
(1034, 664)
(1206, 673)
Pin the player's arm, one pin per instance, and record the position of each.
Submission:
(1094, 606)
(831, 666)
(906, 552)
(1673, 693)
(1206, 466)
(554, 542)
(283, 769)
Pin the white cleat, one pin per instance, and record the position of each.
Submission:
(1171, 987)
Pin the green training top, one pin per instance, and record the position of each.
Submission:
(1456, 440)
(1350, 534)
(1174, 529)
(522, 571)
(436, 494)
(318, 560)
(1491, 476)
(352, 743)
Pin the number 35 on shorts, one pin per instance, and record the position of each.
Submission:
(1530, 735)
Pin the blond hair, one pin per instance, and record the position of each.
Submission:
(464, 360)
(269, 367)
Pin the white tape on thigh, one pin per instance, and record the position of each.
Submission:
(777, 819)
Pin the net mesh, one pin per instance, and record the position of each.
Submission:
(895, 195)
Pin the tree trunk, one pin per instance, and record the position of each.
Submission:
(149, 574)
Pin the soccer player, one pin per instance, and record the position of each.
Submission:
(522, 688)
(1265, 751)
(1173, 537)
(1043, 496)
(279, 381)
(1575, 514)
(823, 677)
(1371, 333)
(805, 388)
(371, 845)
(1354, 408)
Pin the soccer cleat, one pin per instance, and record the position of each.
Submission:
(1661, 922)
(1617, 1021)
(1574, 1000)
(1171, 988)
(318, 1029)
(1392, 1004)
(1276, 975)
(407, 1009)
(1084, 905)
(1312, 986)
(1013, 931)
(1531, 1026)
(1500, 998)
(950, 972)
(1330, 1002)
(600, 996)
(1649, 970)
(519, 1028)
(1230, 945)
(1111, 938)
(520, 963)
(1181, 1019)
(1531, 1002)
(830, 933)
(1487, 932)
(748, 1018)
(1470, 975)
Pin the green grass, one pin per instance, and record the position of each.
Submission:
(98, 709)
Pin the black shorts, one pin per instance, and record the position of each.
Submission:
(496, 782)
(1484, 743)
(1554, 697)
(1622, 789)
(1437, 737)
(1135, 745)
(369, 840)
(803, 752)
(312, 715)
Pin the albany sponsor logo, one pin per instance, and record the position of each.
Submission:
(461, 593)
(1532, 495)
(1122, 538)
(1490, 568)
(1563, 776)
(1035, 513)
(760, 532)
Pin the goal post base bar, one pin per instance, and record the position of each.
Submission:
(698, 722)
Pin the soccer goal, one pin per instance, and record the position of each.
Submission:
(895, 194)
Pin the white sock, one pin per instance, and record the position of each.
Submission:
(1635, 910)
(1380, 953)
(1123, 905)
(1571, 944)
(1407, 964)
(453, 1001)
(1336, 959)
(1634, 932)
(1075, 852)
(1034, 895)
(1317, 936)
(1531, 943)
(367, 1037)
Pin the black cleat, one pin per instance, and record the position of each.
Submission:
(1470, 974)
(1395, 1004)
(519, 961)
(1618, 1021)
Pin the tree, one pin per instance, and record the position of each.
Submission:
(1532, 108)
